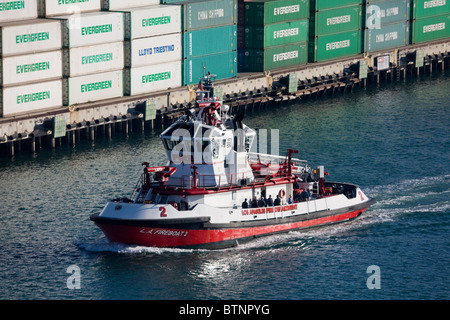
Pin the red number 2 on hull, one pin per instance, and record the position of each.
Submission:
(163, 212)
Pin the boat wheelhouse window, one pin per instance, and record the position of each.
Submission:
(163, 199)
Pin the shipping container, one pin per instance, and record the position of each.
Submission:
(153, 50)
(318, 5)
(223, 65)
(334, 46)
(91, 28)
(430, 8)
(152, 78)
(430, 29)
(276, 34)
(262, 12)
(209, 41)
(127, 4)
(381, 12)
(30, 98)
(208, 14)
(151, 21)
(24, 37)
(18, 10)
(49, 8)
(336, 20)
(269, 58)
(28, 68)
(93, 59)
(92, 87)
(393, 35)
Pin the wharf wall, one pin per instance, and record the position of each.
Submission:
(154, 111)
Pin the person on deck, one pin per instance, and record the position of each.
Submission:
(245, 204)
(277, 201)
(270, 201)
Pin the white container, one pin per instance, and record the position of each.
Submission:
(31, 98)
(93, 59)
(31, 68)
(92, 87)
(30, 36)
(126, 4)
(49, 8)
(18, 10)
(152, 21)
(152, 78)
(153, 50)
(91, 28)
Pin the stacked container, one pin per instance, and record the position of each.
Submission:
(386, 24)
(335, 29)
(241, 35)
(276, 34)
(430, 20)
(31, 60)
(152, 49)
(52, 8)
(93, 55)
(209, 39)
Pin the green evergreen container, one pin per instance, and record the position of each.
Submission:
(276, 34)
(318, 5)
(334, 46)
(208, 14)
(336, 20)
(391, 35)
(209, 41)
(262, 12)
(270, 58)
(430, 29)
(223, 65)
(386, 11)
(429, 8)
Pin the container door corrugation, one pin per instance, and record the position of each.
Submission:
(18, 10)
(223, 65)
(92, 59)
(430, 8)
(386, 11)
(153, 50)
(334, 46)
(208, 14)
(430, 29)
(317, 5)
(391, 35)
(276, 34)
(209, 41)
(92, 87)
(30, 36)
(152, 21)
(126, 4)
(152, 78)
(258, 60)
(48, 8)
(261, 12)
(336, 20)
(31, 68)
(91, 28)
(30, 98)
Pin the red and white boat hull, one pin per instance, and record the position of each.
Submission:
(200, 232)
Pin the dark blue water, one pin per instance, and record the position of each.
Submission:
(392, 140)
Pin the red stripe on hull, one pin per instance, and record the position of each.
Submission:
(160, 237)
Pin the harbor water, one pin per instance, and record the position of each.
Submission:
(391, 140)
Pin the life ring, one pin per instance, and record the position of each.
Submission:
(282, 193)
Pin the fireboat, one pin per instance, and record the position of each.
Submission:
(214, 193)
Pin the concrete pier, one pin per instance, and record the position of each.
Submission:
(155, 111)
